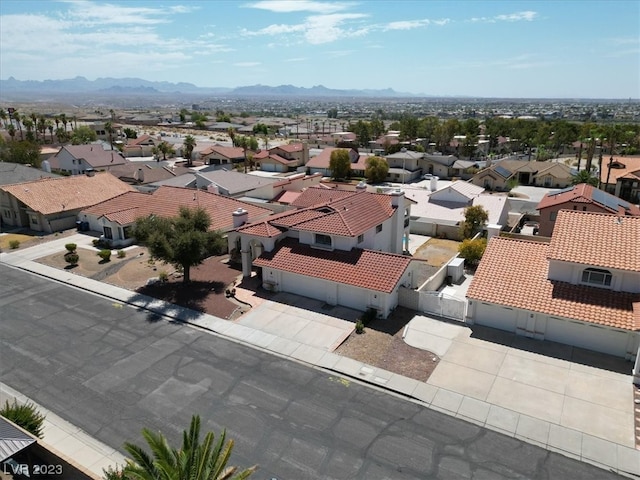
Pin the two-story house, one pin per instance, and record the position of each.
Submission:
(404, 166)
(582, 288)
(78, 159)
(344, 248)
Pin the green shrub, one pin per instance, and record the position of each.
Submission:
(25, 416)
(163, 276)
(122, 254)
(13, 244)
(71, 258)
(71, 247)
(359, 327)
(472, 250)
(105, 255)
(95, 242)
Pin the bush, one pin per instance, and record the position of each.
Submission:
(13, 244)
(105, 255)
(95, 242)
(71, 258)
(359, 327)
(25, 416)
(71, 247)
(163, 276)
(122, 254)
(472, 250)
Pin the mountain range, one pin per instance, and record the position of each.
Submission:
(138, 86)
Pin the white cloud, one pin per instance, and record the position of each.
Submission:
(247, 64)
(407, 24)
(298, 59)
(527, 15)
(288, 6)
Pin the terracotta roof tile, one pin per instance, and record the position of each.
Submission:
(52, 195)
(319, 195)
(166, 202)
(616, 244)
(584, 193)
(361, 268)
(514, 273)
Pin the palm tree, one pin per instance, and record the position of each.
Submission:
(193, 461)
(16, 117)
(243, 142)
(63, 119)
(29, 125)
(108, 126)
(232, 135)
(11, 130)
(3, 116)
(49, 126)
(189, 144)
(166, 149)
(34, 119)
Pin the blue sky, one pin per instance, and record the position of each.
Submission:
(547, 49)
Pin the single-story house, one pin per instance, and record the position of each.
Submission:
(53, 204)
(115, 218)
(320, 163)
(497, 176)
(621, 176)
(221, 155)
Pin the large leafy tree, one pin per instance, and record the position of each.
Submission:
(376, 169)
(196, 459)
(340, 164)
(183, 241)
(475, 217)
(82, 135)
(21, 151)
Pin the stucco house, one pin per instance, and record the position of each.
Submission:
(344, 251)
(53, 204)
(221, 155)
(404, 166)
(497, 176)
(621, 177)
(78, 159)
(440, 213)
(579, 289)
(320, 163)
(115, 218)
(439, 165)
(142, 146)
(582, 197)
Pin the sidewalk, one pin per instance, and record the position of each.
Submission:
(569, 442)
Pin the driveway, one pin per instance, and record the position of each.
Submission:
(569, 390)
(305, 320)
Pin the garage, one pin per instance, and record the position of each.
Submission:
(301, 285)
(587, 335)
(495, 316)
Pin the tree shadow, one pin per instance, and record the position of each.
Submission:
(192, 295)
(70, 267)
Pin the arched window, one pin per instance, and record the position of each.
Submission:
(596, 276)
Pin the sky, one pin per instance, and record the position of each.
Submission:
(505, 49)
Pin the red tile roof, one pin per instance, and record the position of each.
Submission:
(514, 273)
(53, 195)
(368, 269)
(584, 193)
(621, 167)
(229, 152)
(166, 202)
(319, 195)
(291, 147)
(597, 239)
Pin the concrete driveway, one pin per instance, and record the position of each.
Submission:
(305, 320)
(569, 390)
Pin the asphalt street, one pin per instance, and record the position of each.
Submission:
(111, 370)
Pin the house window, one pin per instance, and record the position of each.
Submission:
(34, 220)
(108, 233)
(596, 276)
(553, 216)
(360, 238)
(323, 239)
(379, 228)
(126, 232)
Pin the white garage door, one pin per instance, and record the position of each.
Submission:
(301, 285)
(586, 335)
(496, 317)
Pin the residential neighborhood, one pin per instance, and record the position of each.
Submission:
(475, 277)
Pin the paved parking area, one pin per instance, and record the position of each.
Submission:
(304, 320)
(566, 390)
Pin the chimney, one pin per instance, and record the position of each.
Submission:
(305, 152)
(240, 217)
(140, 176)
(361, 187)
(396, 196)
(213, 188)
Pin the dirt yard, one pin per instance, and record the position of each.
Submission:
(381, 345)
(437, 251)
